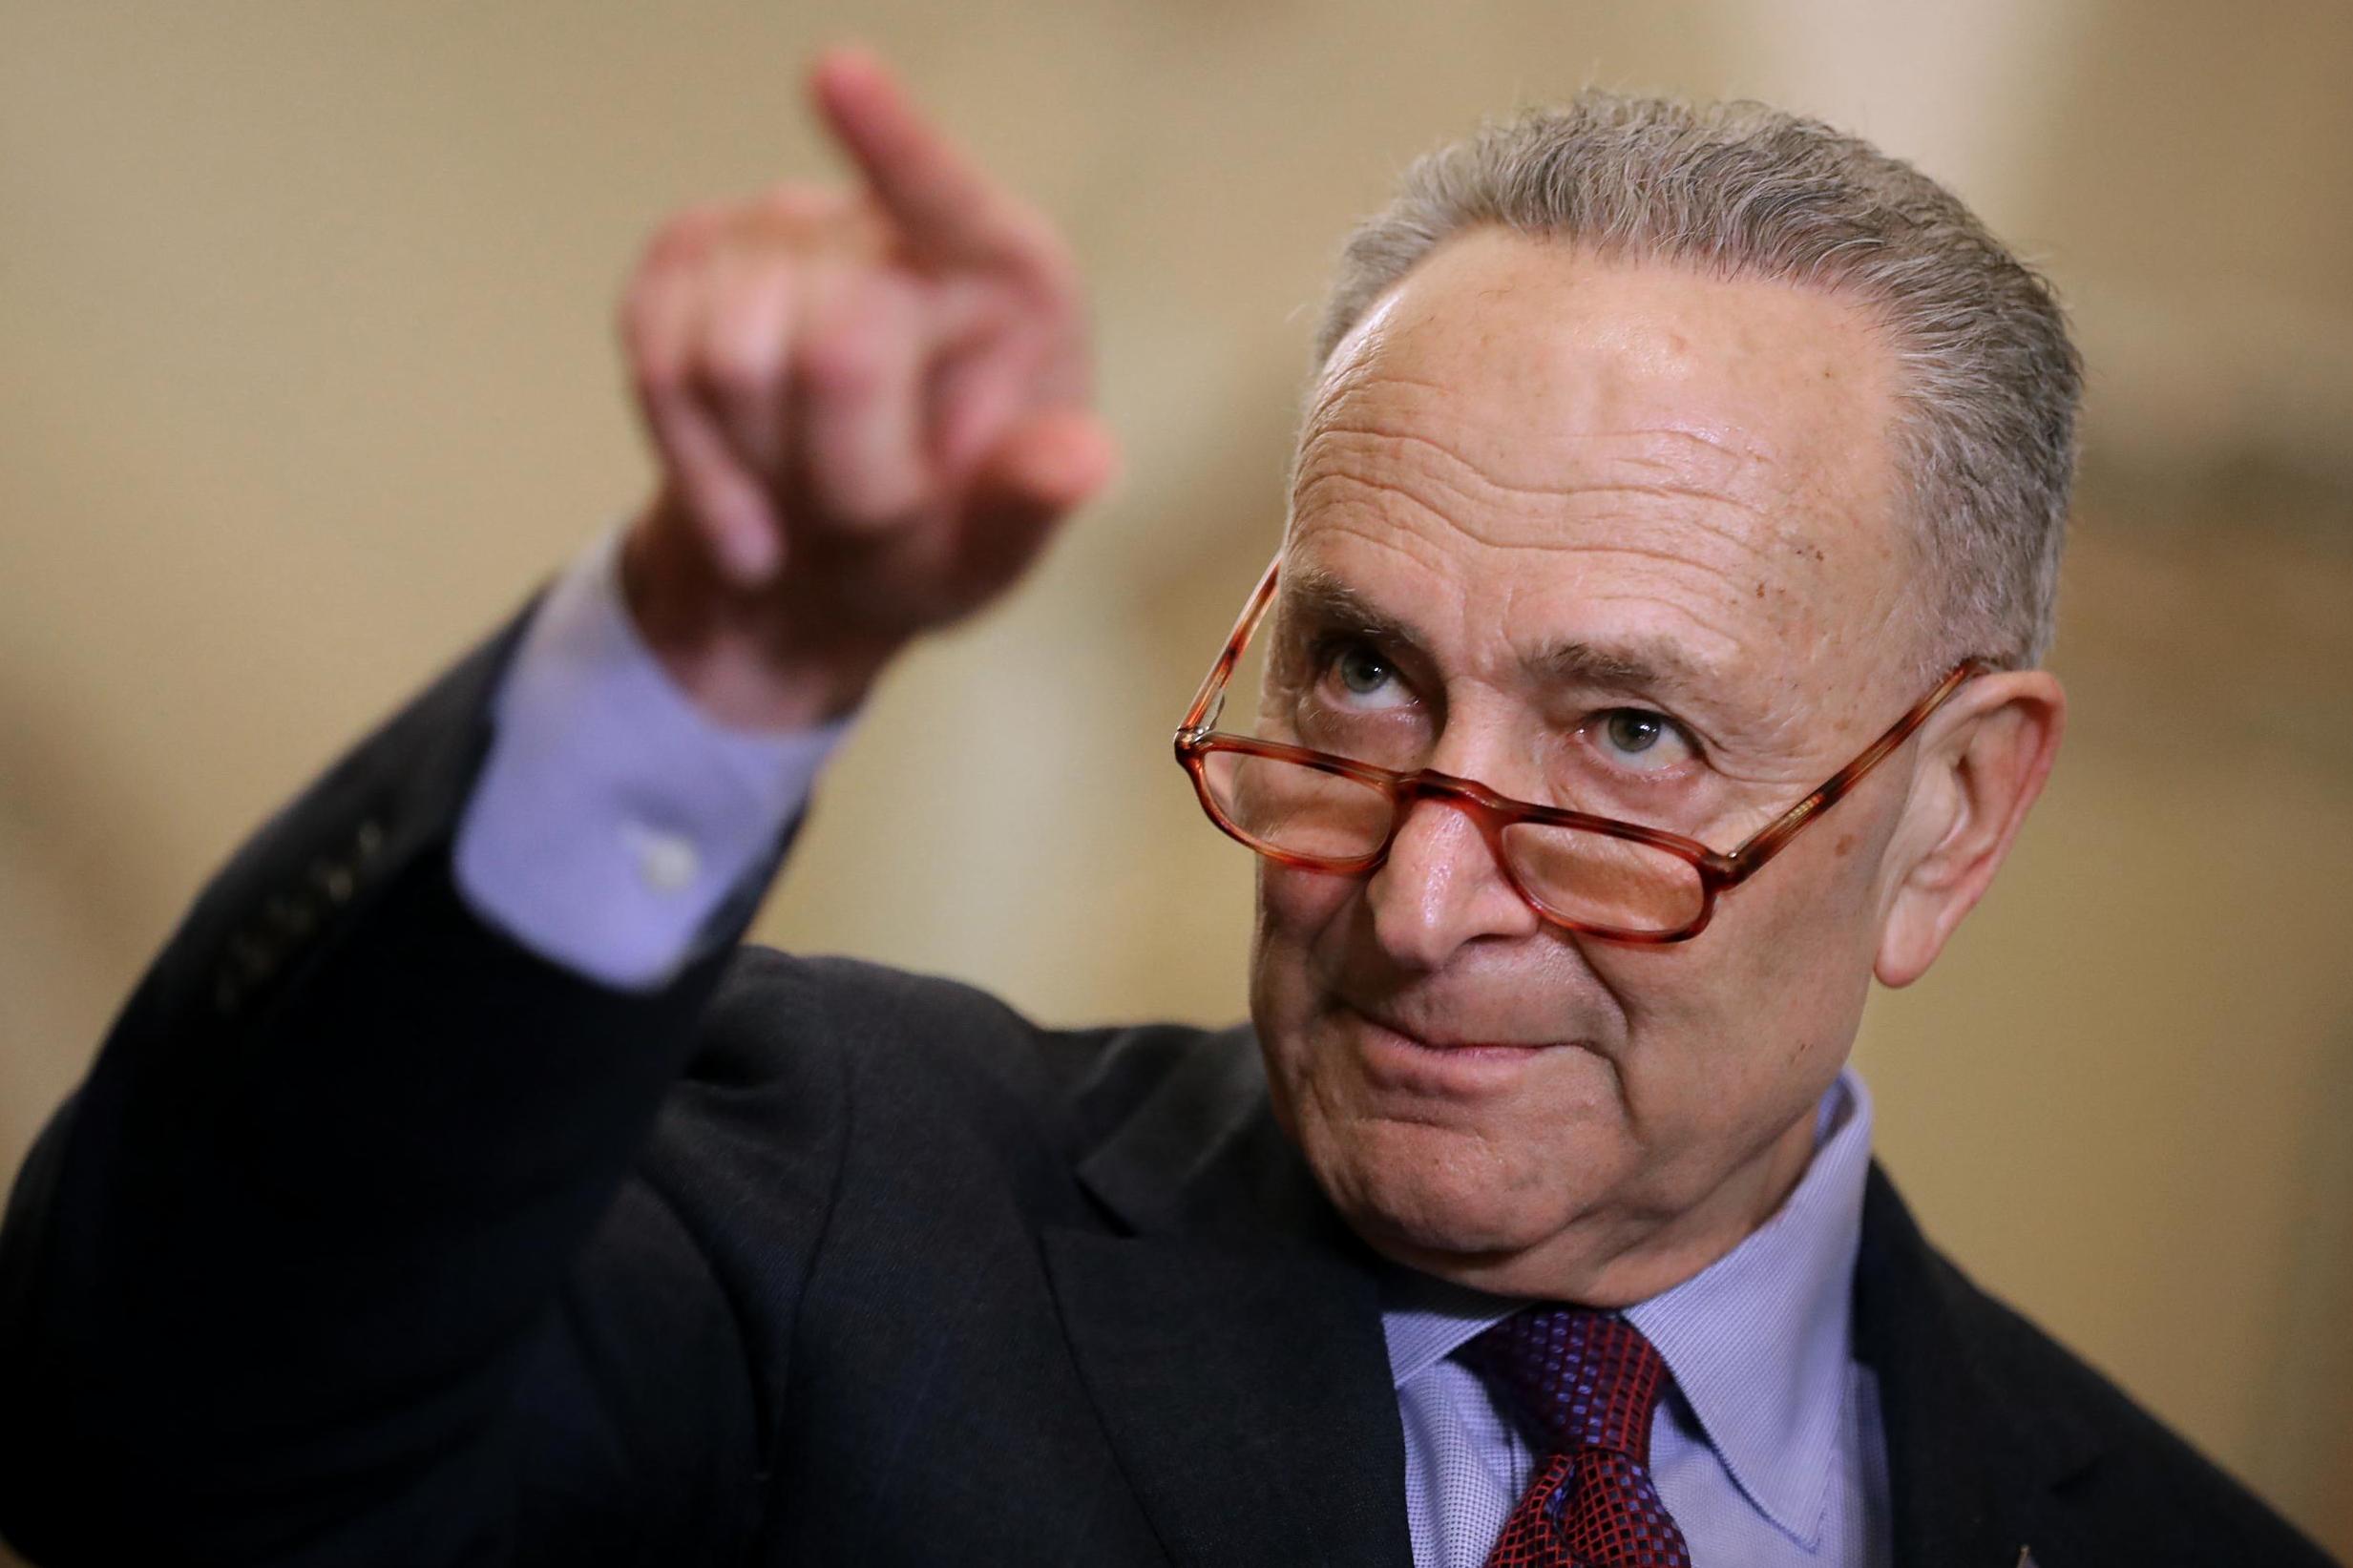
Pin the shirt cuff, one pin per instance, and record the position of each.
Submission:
(612, 821)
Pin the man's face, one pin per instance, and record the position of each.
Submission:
(1617, 536)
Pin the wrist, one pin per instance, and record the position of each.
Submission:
(737, 655)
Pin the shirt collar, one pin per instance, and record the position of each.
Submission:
(1759, 1341)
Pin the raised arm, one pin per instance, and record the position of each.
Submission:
(337, 1256)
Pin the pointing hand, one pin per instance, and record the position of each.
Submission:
(869, 407)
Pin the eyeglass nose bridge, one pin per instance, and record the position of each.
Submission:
(1488, 811)
(1492, 812)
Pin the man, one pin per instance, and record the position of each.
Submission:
(1672, 482)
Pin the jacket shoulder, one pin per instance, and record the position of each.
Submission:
(816, 1058)
(2143, 1471)
(2122, 1480)
(774, 1011)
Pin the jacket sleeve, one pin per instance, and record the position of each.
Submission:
(341, 1223)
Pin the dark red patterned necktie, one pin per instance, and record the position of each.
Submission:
(1584, 1385)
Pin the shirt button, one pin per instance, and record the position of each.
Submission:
(668, 863)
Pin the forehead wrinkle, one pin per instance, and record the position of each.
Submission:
(1458, 477)
(1500, 539)
(1557, 490)
(1712, 461)
(1699, 599)
(1368, 397)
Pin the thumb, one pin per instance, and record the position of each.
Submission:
(1051, 461)
(1046, 466)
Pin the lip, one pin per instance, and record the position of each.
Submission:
(1431, 1042)
(1396, 1058)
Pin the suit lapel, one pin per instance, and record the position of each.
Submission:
(1970, 1465)
(1245, 1394)
(1231, 1341)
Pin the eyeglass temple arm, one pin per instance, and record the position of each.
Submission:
(1213, 684)
(1769, 840)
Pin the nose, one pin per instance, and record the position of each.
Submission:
(1441, 888)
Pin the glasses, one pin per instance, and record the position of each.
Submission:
(1607, 878)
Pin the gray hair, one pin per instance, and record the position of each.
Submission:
(1989, 378)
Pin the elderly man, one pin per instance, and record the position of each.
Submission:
(1650, 663)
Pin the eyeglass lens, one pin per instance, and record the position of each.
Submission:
(1588, 878)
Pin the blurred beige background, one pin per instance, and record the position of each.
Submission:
(304, 310)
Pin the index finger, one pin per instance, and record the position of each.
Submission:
(943, 201)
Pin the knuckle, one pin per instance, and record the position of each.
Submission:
(796, 225)
(798, 201)
(656, 373)
(682, 232)
(701, 219)
(1054, 274)
(842, 362)
(739, 367)
(743, 348)
(873, 490)
(877, 300)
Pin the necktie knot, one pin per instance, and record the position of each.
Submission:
(1576, 1377)
(1584, 1384)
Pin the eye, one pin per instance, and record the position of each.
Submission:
(1638, 738)
(1360, 670)
(1363, 677)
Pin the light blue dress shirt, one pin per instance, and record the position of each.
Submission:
(612, 819)
(612, 822)
(1768, 1449)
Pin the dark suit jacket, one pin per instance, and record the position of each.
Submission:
(374, 1239)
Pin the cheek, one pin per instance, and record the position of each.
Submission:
(1298, 911)
(1295, 910)
(1831, 911)
(1300, 900)
(1743, 1028)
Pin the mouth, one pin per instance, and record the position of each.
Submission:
(1450, 1042)
(1449, 1064)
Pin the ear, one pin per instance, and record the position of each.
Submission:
(1983, 764)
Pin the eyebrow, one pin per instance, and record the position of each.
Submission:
(1648, 664)
(1313, 594)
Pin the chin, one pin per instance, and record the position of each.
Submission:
(1427, 1195)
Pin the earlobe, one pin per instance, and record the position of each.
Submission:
(1984, 772)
